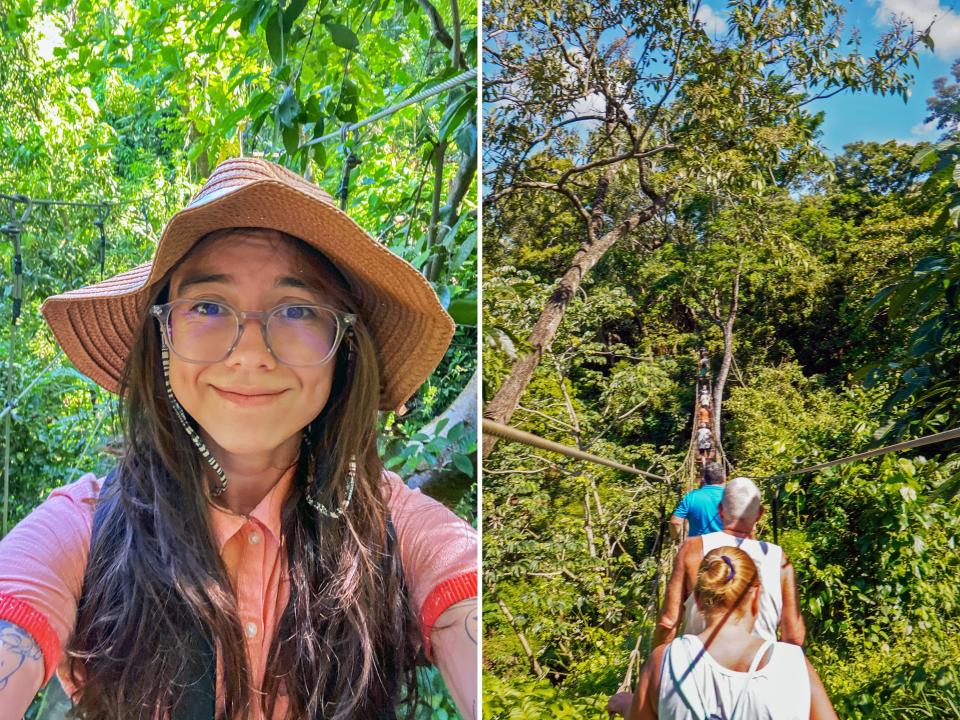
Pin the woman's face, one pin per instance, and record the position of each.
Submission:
(249, 273)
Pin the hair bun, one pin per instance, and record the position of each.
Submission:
(724, 577)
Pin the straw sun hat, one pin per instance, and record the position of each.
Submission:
(95, 324)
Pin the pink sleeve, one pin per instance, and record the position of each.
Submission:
(438, 551)
(42, 561)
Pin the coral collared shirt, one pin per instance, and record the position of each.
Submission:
(42, 562)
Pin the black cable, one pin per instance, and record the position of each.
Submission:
(351, 161)
(99, 222)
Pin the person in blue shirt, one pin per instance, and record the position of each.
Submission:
(701, 507)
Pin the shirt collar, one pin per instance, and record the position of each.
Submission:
(267, 512)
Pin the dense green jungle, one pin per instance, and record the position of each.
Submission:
(641, 206)
(124, 108)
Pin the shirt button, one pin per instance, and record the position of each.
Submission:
(254, 538)
(250, 629)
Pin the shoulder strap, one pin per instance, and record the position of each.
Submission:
(198, 701)
(750, 674)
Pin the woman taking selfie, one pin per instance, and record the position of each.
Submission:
(249, 556)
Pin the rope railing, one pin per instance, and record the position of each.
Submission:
(510, 433)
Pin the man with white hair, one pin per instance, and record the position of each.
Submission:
(740, 508)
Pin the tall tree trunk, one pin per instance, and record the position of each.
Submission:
(504, 403)
(727, 327)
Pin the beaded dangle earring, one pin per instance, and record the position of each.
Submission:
(312, 463)
(182, 416)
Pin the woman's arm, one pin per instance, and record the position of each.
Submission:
(820, 706)
(455, 651)
(644, 705)
(439, 553)
(42, 561)
(21, 670)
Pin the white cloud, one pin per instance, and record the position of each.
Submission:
(924, 130)
(921, 132)
(590, 104)
(946, 23)
(714, 23)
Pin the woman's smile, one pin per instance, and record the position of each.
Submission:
(248, 398)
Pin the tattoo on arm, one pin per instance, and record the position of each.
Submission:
(16, 647)
(470, 625)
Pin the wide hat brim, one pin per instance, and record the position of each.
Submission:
(95, 325)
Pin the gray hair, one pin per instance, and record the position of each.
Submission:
(741, 501)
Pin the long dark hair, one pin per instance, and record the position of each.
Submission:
(346, 643)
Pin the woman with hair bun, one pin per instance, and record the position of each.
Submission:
(726, 672)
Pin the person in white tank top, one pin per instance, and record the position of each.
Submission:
(768, 559)
(740, 509)
(726, 672)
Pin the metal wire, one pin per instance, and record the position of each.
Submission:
(11, 404)
(23, 199)
(419, 97)
(897, 447)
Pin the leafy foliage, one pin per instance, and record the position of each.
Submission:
(845, 338)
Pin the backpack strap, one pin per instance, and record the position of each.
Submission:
(389, 712)
(198, 701)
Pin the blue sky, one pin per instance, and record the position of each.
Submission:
(852, 117)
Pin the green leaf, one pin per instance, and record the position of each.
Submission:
(275, 38)
(291, 139)
(217, 17)
(170, 57)
(466, 137)
(259, 102)
(293, 11)
(455, 113)
(925, 159)
(342, 36)
(197, 148)
(257, 124)
(255, 16)
(463, 464)
(463, 310)
(348, 114)
(289, 107)
(465, 248)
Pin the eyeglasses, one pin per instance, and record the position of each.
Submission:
(205, 331)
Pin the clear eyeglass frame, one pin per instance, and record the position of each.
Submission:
(344, 322)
